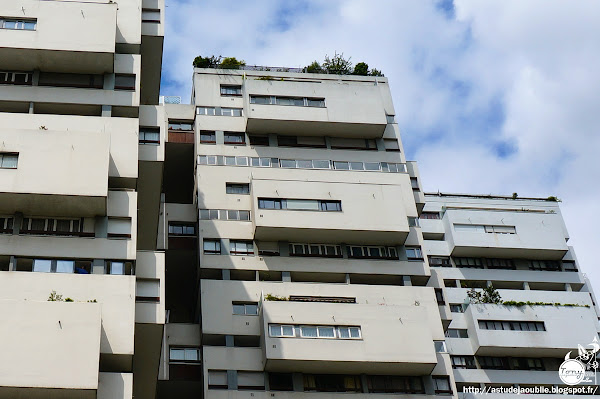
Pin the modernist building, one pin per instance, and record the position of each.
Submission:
(81, 281)
(270, 239)
(520, 247)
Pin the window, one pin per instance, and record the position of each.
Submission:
(391, 145)
(457, 308)
(368, 252)
(231, 90)
(241, 247)
(282, 100)
(525, 363)
(71, 80)
(268, 248)
(491, 362)
(439, 296)
(18, 23)
(9, 160)
(212, 247)
(349, 332)
(251, 380)
(53, 266)
(6, 224)
(124, 82)
(319, 250)
(548, 265)
(235, 138)
(442, 384)
(413, 222)
(281, 330)
(495, 263)
(457, 333)
(440, 346)
(151, 15)
(224, 214)
(258, 140)
(569, 266)
(430, 215)
(463, 362)
(119, 267)
(439, 261)
(149, 135)
(281, 382)
(473, 263)
(352, 144)
(184, 126)
(248, 308)
(395, 384)
(186, 355)
(390, 118)
(16, 78)
(512, 325)
(300, 204)
(182, 229)
(207, 137)
(301, 141)
(414, 253)
(217, 379)
(43, 226)
(237, 188)
(414, 183)
(119, 228)
(205, 111)
(501, 229)
(231, 112)
(332, 383)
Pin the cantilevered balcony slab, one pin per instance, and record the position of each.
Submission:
(86, 44)
(394, 339)
(565, 328)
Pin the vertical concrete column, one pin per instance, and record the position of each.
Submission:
(101, 226)
(98, 266)
(226, 274)
(232, 379)
(568, 287)
(525, 285)
(229, 341)
(273, 140)
(12, 264)
(219, 137)
(286, 277)
(284, 248)
(17, 222)
(364, 383)
(225, 246)
(347, 278)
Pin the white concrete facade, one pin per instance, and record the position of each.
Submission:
(83, 291)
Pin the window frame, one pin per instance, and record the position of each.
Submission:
(241, 135)
(13, 158)
(236, 93)
(218, 248)
(249, 248)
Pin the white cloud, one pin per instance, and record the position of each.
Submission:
(500, 71)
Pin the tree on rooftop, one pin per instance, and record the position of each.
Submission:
(338, 64)
(315, 67)
(206, 62)
(231, 63)
(362, 69)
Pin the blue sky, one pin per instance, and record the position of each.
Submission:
(492, 97)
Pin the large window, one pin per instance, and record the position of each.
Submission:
(182, 229)
(44, 226)
(6, 224)
(9, 160)
(414, 253)
(151, 15)
(547, 265)
(250, 380)
(440, 261)
(149, 135)
(217, 379)
(306, 331)
(281, 330)
(332, 383)
(119, 228)
(235, 138)
(245, 308)
(319, 250)
(395, 384)
(300, 204)
(212, 111)
(231, 90)
(352, 144)
(71, 80)
(283, 100)
(124, 82)
(241, 247)
(61, 266)
(463, 362)
(16, 78)
(207, 137)
(224, 214)
(441, 385)
(212, 247)
(456, 333)
(301, 141)
(237, 188)
(372, 252)
(512, 325)
(181, 126)
(18, 23)
(281, 382)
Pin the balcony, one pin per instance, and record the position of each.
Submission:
(525, 235)
(65, 338)
(565, 328)
(378, 350)
(59, 173)
(370, 213)
(85, 45)
(360, 114)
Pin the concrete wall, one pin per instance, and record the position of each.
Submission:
(48, 344)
